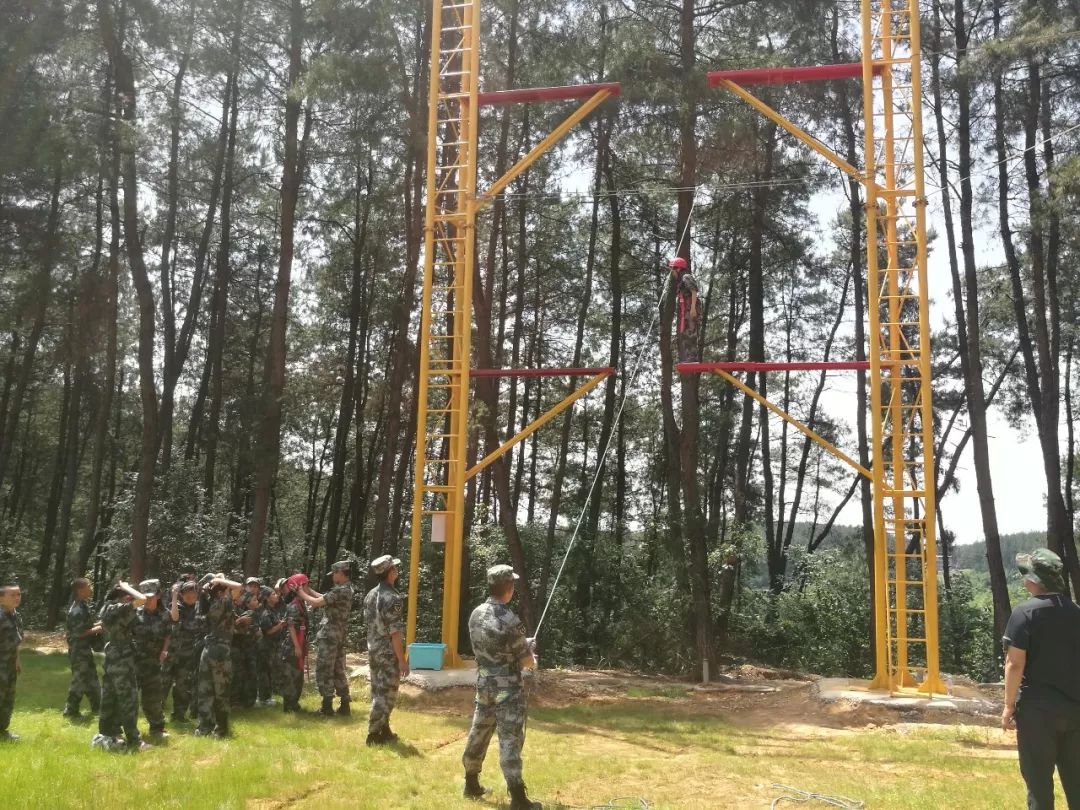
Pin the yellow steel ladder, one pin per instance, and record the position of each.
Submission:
(446, 315)
(899, 351)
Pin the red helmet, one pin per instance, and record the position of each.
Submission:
(296, 581)
(678, 263)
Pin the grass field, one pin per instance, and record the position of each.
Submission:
(671, 747)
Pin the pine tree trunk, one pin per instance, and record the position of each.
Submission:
(144, 484)
(269, 428)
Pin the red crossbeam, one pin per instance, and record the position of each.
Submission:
(539, 372)
(846, 365)
(786, 75)
(531, 94)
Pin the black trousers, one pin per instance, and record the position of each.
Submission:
(1048, 737)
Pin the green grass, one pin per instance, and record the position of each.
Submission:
(674, 753)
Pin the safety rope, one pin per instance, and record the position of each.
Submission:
(615, 424)
(796, 796)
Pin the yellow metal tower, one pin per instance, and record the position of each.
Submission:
(902, 473)
(904, 496)
(452, 206)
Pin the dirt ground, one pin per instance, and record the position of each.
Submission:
(751, 696)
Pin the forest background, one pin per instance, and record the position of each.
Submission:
(210, 248)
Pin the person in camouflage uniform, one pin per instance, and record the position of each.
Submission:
(11, 636)
(81, 630)
(294, 644)
(502, 650)
(119, 683)
(271, 621)
(202, 611)
(215, 664)
(153, 627)
(185, 637)
(384, 614)
(330, 660)
(245, 647)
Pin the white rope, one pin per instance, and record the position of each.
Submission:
(618, 416)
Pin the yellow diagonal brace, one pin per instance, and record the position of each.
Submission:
(829, 446)
(792, 128)
(534, 154)
(534, 426)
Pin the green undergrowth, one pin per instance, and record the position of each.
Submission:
(577, 756)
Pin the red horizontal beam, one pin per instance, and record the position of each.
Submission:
(786, 75)
(698, 368)
(528, 95)
(539, 372)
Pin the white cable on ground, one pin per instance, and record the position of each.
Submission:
(615, 424)
(797, 796)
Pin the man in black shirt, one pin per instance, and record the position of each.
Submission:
(1042, 687)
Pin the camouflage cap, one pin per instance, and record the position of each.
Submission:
(264, 592)
(1043, 567)
(279, 584)
(252, 581)
(188, 585)
(150, 587)
(342, 565)
(380, 565)
(498, 574)
(206, 580)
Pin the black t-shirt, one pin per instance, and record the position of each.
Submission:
(1048, 628)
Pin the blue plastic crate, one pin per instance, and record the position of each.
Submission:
(426, 656)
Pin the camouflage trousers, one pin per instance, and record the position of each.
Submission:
(688, 342)
(152, 691)
(330, 667)
(120, 698)
(292, 680)
(385, 679)
(8, 676)
(500, 706)
(178, 674)
(243, 672)
(267, 671)
(84, 680)
(193, 709)
(215, 670)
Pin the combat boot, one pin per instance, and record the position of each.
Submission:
(72, 712)
(519, 798)
(327, 709)
(473, 788)
(222, 728)
(343, 709)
